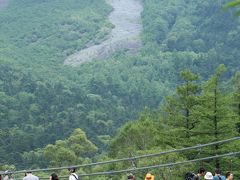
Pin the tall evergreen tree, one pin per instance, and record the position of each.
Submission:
(180, 108)
(215, 114)
(236, 98)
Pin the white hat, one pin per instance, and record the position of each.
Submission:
(208, 176)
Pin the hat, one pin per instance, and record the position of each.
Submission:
(208, 176)
(148, 176)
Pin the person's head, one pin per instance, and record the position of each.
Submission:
(72, 169)
(208, 176)
(54, 176)
(218, 171)
(148, 176)
(130, 176)
(201, 171)
(28, 172)
(229, 175)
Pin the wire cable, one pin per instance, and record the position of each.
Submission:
(155, 166)
(161, 165)
(129, 158)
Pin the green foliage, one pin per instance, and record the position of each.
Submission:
(147, 135)
(7, 168)
(236, 94)
(192, 27)
(233, 4)
(181, 108)
(74, 150)
(49, 31)
(210, 117)
(134, 136)
(216, 118)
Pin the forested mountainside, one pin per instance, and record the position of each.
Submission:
(43, 101)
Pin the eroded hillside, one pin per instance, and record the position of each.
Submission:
(126, 18)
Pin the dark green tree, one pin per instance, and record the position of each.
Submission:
(180, 108)
(215, 114)
(236, 98)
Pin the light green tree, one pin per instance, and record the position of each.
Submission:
(74, 150)
(147, 135)
(232, 4)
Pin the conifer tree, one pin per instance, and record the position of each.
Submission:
(180, 107)
(236, 98)
(215, 114)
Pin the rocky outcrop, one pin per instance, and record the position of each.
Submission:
(126, 18)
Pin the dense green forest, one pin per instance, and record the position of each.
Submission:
(43, 102)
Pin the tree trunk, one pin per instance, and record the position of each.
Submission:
(216, 126)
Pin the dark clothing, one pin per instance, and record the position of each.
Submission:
(196, 177)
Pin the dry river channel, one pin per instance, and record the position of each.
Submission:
(126, 18)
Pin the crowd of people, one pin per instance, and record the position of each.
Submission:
(201, 174)
(209, 176)
(29, 176)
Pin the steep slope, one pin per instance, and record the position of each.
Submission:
(40, 35)
(126, 18)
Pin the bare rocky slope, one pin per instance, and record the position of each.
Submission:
(126, 18)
